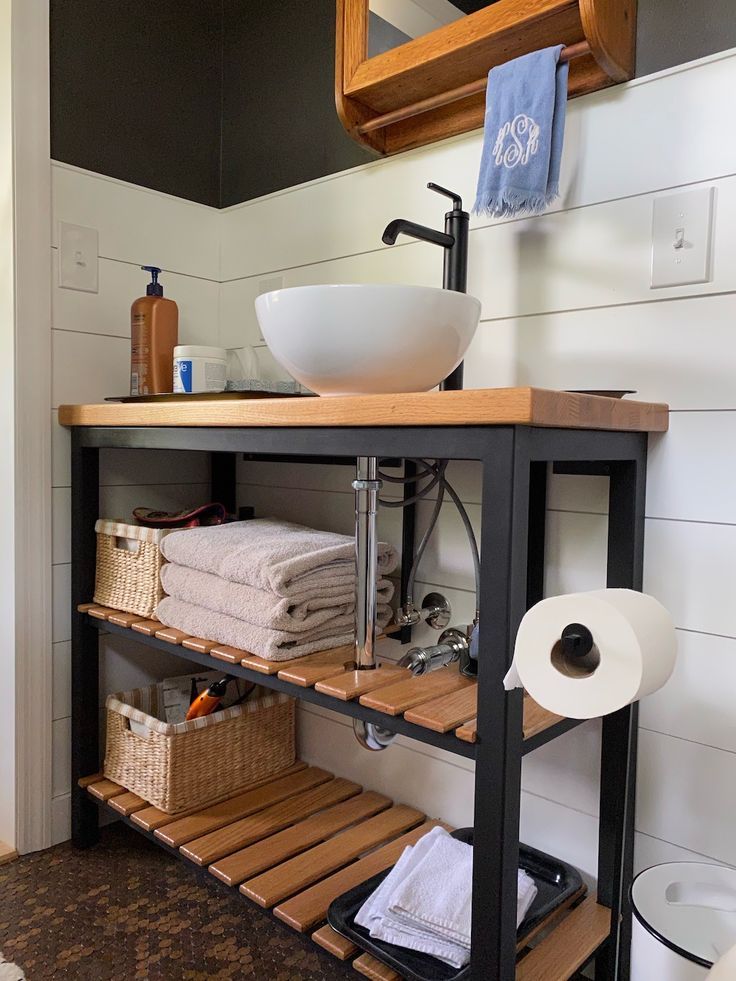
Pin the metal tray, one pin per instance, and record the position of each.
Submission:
(556, 883)
(204, 396)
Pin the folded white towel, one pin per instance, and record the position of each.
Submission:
(273, 645)
(288, 559)
(425, 902)
(334, 606)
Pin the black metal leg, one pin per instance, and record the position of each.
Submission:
(504, 521)
(224, 480)
(537, 533)
(620, 730)
(85, 641)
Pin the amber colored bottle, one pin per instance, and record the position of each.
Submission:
(154, 333)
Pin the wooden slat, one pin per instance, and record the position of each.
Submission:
(242, 833)
(415, 690)
(371, 968)
(84, 782)
(7, 853)
(307, 671)
(185, 829)
(340, 947)
(352, 684)
(446, 712)
(85, 607)
(479, 407)
(536, 718)
(100, 612)
(171, 635)
(127, 803)
(298, 873)
(124, 619)
(569, 946)
(105, 789)
(266, 854)
(147, 627)
(198, 644)
(306, 910)
(468, 732)
(551, 921)
(152, 818)
(233, 655)
(260, 664)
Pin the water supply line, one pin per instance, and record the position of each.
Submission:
(454, 643)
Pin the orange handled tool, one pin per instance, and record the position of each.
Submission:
(207, 702)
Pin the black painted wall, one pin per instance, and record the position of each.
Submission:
(220, 101)
(279, 125)
(136, 91)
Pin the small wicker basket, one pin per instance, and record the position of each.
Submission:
(189, 765)
(129, 563)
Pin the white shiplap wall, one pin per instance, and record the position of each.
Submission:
(91, 359)
(566, 303)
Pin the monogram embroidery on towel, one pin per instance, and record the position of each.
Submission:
(523, 144)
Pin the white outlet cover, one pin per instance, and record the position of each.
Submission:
(682, 232)
(78, 255)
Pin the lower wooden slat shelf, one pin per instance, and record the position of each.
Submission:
(297, 841)
(439, 708)
(569, 946)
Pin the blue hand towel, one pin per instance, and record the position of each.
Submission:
(523, 136)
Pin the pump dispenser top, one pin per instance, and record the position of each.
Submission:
(154, 288)
(154, 333)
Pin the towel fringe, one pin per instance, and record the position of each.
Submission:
(511, 202)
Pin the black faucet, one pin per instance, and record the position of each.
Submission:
(454, 240)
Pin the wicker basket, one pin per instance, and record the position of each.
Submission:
(190, 765)
(129, 563)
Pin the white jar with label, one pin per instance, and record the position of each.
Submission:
(199, 369)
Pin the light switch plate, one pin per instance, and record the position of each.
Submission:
(682, 232)
(78, 253)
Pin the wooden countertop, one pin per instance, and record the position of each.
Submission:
(472, 407)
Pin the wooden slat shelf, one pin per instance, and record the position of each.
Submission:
(335, 944)
(440, 707)
(297, 841)
(515, 435)
(472, 407)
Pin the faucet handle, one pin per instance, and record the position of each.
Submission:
(457, 201)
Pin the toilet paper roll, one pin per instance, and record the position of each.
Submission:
(588, 654)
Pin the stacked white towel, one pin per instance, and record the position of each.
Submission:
(424, 903)
(273, 588)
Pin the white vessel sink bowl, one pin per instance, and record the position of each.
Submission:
(365, 339)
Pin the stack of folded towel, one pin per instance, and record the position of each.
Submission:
(424, 903)
(273, 588)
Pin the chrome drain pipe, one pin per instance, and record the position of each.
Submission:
(367, 487)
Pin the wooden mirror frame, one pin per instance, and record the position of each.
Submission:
(433, 86)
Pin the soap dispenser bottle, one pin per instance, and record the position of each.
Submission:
(154, 333)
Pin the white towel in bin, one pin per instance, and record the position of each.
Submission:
(424, 904)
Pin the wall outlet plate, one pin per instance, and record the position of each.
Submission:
(682, 232)
(78, 255)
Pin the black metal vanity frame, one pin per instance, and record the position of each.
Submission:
(515, 463)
